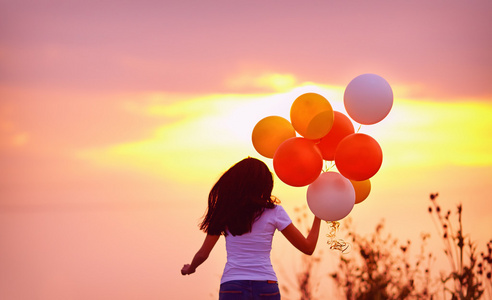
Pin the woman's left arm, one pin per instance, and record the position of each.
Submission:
(305, 244)
(201, 255)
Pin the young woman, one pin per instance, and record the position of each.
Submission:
(242, 208)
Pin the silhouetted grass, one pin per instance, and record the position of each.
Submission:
(465, 281)
(381, 267)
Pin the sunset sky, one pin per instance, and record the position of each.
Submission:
(117, 117)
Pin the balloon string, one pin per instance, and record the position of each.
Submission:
(360, 126)
(336, 244)
(328, 168)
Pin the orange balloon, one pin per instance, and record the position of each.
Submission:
(358, 157)
(298, 161)
(269, 133)
(311, 115)
(342, 126)
(362, 189)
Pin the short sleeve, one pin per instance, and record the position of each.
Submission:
(282, 218)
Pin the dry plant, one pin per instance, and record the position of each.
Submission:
(485, 269)
(381, 268)
(466, 279)
(381, 272)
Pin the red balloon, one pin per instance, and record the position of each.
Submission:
(358, 157)
(342, 126)
(298, 161)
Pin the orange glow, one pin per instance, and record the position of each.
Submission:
(426, 133)
(200, 132)
(116, 119)
(205, 130)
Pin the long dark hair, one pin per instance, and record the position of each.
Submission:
(238, 198)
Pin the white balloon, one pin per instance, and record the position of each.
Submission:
(331, 197)
(368, 99)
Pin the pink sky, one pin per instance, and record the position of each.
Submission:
(117, 117)
(194, 45)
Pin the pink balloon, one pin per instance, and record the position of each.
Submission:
(331, 197)
(368, 99)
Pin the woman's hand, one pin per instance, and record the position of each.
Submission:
(187, 270)
(201, 255)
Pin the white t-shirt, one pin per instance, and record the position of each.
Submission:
(248, 255)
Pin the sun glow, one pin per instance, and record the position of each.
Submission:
(427, 133)
(199, 134)
(204, 134)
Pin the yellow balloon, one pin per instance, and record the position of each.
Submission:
(269, 133)
(311, 116)
(362, 189)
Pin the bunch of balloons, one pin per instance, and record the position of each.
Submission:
(316, 133)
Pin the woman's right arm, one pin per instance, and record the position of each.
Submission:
(305, 244)
(201, 255)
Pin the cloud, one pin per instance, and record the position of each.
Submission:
(271, 82)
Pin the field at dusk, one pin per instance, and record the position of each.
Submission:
(117, 117)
